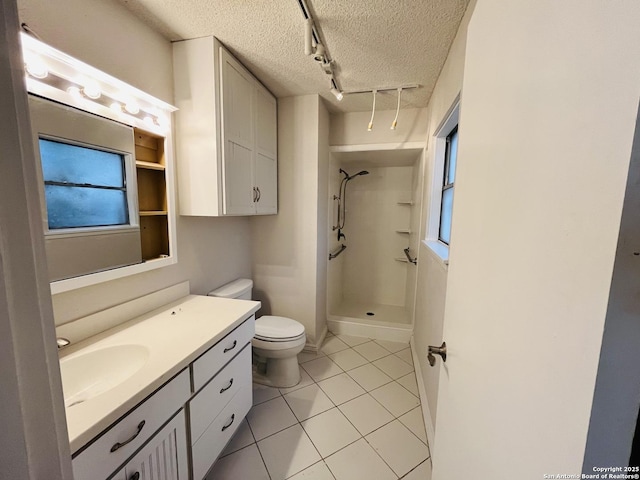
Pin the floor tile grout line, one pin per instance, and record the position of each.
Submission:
(337, 406)
(405, 475)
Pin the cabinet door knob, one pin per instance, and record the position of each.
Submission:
(255, 195)
(259, 194)
(135, 476)
(120, 445)
(235, 342)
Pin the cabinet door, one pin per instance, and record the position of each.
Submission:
(266, 163)
(164, 457)
(266, 175)
(239, 193)
(267, 122)
(238, 97)
(237, 101)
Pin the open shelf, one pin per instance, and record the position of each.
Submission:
(152, 195)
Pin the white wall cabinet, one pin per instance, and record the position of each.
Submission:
(226, 134)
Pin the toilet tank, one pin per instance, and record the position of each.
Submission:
(240, 288)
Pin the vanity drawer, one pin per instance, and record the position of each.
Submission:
(219, 355)
(210, 401)
(210, 444)
(121, 440)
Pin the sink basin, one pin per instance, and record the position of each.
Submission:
(86, 375)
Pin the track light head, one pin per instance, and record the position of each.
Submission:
(337, 93)
(327, 67)
(318, 56)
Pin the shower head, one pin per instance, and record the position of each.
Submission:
(362, 172)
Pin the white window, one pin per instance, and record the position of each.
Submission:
(442, 187)
(448, 179)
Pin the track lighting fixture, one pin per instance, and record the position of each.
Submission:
(373, 111)
(334, 89)
(313, 45)
(308, 34)
(318, 56)
(395, 120)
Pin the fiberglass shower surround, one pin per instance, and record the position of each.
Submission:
(342, 200)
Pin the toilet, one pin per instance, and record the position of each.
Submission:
(276, 343)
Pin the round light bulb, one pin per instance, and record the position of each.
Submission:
(74, 92)
(92, 90)
(116, 107)
(36, 68)
(132, 107)
(149, 121)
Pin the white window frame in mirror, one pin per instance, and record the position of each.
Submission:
(152, 115)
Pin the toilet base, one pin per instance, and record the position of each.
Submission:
(280, 372)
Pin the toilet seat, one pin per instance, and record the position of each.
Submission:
(270, 328)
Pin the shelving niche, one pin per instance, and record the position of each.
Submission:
(152, 194)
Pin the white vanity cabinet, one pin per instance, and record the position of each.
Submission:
(226, 133)
(120, 441)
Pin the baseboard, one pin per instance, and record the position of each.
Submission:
(315, 347)
(343, 326)
(426, 412)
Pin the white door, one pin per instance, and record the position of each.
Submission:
(535, 222)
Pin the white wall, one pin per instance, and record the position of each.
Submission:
(287, 260)
(432, 273)
(548, 110)
(102, 33)
(351, 128)
(322, 220)
(371, 275)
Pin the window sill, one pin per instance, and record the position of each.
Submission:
(439, 251)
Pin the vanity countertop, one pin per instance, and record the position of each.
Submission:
(174, 334)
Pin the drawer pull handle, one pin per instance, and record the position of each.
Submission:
(120, 445)
(224, 427)
(135, 476)
(222, 390)
(235, 342)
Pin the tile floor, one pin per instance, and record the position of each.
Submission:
(354, 415)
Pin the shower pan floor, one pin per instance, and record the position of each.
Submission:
(392, 315)
(388, 322)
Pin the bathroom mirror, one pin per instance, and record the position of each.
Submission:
(103, 155)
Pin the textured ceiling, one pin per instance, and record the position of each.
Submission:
(374, 43)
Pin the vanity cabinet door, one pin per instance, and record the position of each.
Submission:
(164, 457)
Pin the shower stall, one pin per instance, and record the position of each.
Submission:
(375, 200)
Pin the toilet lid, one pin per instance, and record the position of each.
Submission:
(274, 328)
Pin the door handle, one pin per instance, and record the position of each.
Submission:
(441, 350)
(259, 193)
(255, 195)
